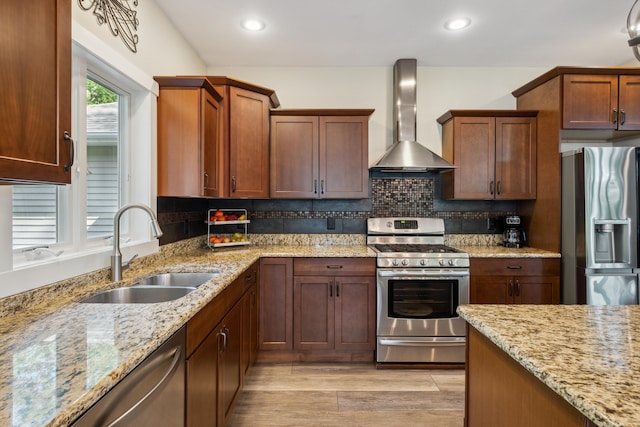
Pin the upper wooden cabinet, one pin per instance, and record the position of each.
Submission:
(320, 154)
(245, 136)
(35, 81)
(601, 102)
(213, 137)
(189, 144)
(494, 153)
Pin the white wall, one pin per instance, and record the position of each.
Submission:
(439, 90)
(161, 50)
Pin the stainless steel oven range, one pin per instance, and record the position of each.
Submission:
(420, 283)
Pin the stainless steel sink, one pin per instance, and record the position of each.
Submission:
(158, 288)
(140, 295)
(190, 279)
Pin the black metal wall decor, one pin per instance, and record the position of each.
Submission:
(120, 17)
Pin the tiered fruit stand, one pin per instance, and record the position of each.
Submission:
(217, 218)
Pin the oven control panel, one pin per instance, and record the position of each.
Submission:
(430, 262)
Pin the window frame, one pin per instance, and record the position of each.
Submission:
(80, 255)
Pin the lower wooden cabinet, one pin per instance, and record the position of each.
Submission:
(514, 281)
(229, 369)
(317, 308)
(219, 351)
(276, 304)
(250, 319)
(334, 304)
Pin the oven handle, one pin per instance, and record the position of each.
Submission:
(409, 343)
(422, 273)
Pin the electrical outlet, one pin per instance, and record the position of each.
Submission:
(331, 223)
(491, 224)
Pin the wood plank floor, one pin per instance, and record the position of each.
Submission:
(343, 394)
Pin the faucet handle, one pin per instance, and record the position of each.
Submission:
(126, 263)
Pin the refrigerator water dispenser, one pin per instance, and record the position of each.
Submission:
(612, 240)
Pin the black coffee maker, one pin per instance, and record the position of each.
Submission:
(513, 235)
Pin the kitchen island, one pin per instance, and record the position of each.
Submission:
(576, 365)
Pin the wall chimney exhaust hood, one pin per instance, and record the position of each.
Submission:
(406, 154)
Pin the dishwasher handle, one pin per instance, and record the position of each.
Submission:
(177, 354)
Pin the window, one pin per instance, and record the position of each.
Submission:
(36, 208)
(105, 107)
(49, 233)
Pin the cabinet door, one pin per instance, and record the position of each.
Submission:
(589, 101)
(536, 290)
(179, 141)
(474, 157)
(515, 158)
(276, 304)
(355, 313)
(229, 369)
(344, 167)
(202, 380)
(629, 103)
(313, 315)
(490, 290)
(248, 143)
(249, 328)
(211, 146)
(35, 81)
(294, 157)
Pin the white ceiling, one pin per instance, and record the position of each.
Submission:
(337, 33)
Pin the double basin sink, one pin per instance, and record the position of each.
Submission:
(158, 288)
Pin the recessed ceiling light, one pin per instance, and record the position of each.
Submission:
(457, 24)
(253, 25)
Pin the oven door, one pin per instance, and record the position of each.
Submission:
(421, 303)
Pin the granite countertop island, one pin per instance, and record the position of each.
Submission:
(588, 355)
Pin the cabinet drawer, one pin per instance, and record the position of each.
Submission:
(200, 325)
(515, 266)
(334, 266)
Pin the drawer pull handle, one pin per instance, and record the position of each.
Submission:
(514, 267)
(334, 267)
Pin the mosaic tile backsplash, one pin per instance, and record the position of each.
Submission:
(409, 195)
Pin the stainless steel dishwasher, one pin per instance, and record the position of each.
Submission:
(153, 394)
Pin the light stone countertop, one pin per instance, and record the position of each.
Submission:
(502, 252)
(589, 355)
(58, 356)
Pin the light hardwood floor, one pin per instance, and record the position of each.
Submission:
(343, 394)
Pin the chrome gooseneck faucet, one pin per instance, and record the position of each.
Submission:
(116, 257)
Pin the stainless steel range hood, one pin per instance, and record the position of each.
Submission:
(406, 154)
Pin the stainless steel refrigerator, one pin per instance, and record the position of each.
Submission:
(600, 226)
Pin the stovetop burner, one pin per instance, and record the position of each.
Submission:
(415, 248)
